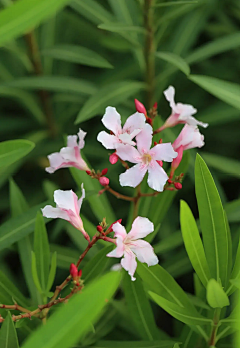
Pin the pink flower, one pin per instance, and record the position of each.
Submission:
(147, 160)
(69, 156)
(181, 113)
(68, 208)
(129, 246)
(189, 138)
(112, 121)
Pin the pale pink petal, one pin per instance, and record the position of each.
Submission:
(128, 153)
(169, 95)
(66, 200)
(171, 121)
(133, 176)
(54, 213)
(163, 152)
(129, 263)
(56, 162)
(141, 227)
(157, 177)
(189, 138)
(135, 121)
(193, 122)
(109, 141)
(72, 141)
(177, 160)
(144, 139)
(112, 120)
(68, 154)
(119, 231)
(82, 198)
(119, 250)
(185, 110)
(81, 136)
(144, 252)
(126, 139)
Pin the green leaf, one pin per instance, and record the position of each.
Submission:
(23, 15)
(35, 274)
(18, 202)
(216, 296)
(16, 228)
(12, 150)
(65, 256)
(116, 93)
(8, 334)
(41, 250)
(92, 11)
(52, 271)
(55, 84)
(175, 60)
(193, 243)
(117, 27)
(224, 164)
(69, 323)
(96, 265)
(77, 54)
(134, 344)
(232, 210)
(212, 48)
(180, 313)
(162, 283)
(139, 308)
(173, 3)
(227, 91)
(212, 220)
(9, 292)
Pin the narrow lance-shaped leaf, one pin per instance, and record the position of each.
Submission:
(52, 271)
(175, 60)
(13, 150)
(70, 322)
(193, 243)
(8, 335)
(212, 220)
(35, 274)
(9, 293)
(216, 296)
(139, 308)
(135, 344)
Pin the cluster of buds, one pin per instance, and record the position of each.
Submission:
(76, 275)
(102, 227)
(177, 182)
(104, 181)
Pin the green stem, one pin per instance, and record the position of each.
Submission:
(216, 317)
(149, 51)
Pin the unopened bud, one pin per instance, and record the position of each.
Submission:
(113, 158)
(149, 121)
(80, 273)
(155, 143)
(99, 229)
(140, 107)
(104, 181)
(169, 181)
(160, 163)
(160, 141)
(110, 227)
(73, 270)
(155, 105)
(88, 172)
(104, 171)
(177, 185)
(176, 161)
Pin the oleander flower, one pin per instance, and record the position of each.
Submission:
(120, 135)
(181, 113)
(147, 160)
(68, 208)
(69, 156)
(130, 246)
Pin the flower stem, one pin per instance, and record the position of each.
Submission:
(119, 195)
(216, 317)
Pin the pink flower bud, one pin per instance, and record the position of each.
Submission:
(155, 143)
(73, 270)
(140, 107)
(155, 105)
(176, 161)
(80, 273)
(160, 163)
(99, 228)
(88, 172)
(104, 171)
(149, 121)
(169, 181)
(113, 158)
(104, 181)
(110, 227)
(177, 185)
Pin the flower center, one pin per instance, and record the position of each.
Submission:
(146, 158)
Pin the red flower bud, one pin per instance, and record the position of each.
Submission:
(177, 185)
(104, 181)
(99, 228)
(104, 171)
(140, 107)
(160, 163)
(88, 172)
(155, 143)
(110, 227)
(80, 273)
(169, 181)
(113, 158)
(160, 141)
(73, 270)
(155, 105)
(150, 121)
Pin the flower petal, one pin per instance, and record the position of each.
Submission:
(129, 263)
(118, 251)
(185, 111)
(141, 227)
(169, 95)
(128, 153)
(81, 136)
(192, 121)
(127, 138)
(144, 139)
(66, 200)
(144, 252)
(56, 162)
(82, 198)
(135, 121)
(54, 213)
(112, 120)
(68, 154)
(157, 177)
(119, 230)
(133, 176)
(72, 141)
(163, 152)
(109, 141)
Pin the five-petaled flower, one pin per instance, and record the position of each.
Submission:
(147, 160)
(112, 121)
(69, 156)
(130, 246)
(181, 113)
(68, 208)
